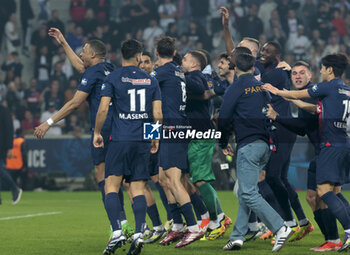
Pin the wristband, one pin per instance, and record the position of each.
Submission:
(50, 122)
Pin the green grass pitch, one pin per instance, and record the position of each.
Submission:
(81, 227)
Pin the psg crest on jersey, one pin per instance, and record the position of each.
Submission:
(84, 81)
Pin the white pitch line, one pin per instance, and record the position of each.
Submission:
(30, 215)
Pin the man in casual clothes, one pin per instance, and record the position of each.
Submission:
(242, 106)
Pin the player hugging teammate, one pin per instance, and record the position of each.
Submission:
(253, 91)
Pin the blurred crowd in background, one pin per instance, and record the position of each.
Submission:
(306, 29)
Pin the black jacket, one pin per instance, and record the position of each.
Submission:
(6, 132)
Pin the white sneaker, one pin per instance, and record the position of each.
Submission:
(281, 237)
(233, 245)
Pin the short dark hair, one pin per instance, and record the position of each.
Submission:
(166, 47)
(338, 62)
(277, 47)
(130, 48)
(148, 54)
(207, 55)
(98, 47)
(200, 57)
(301, 63)
(224, 55)
(245, 62)
(241, 50)
(177, 59)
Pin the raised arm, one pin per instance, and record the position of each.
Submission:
(225, 23)
(75, 60)
(68, 108)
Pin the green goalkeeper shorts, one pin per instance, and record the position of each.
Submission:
(200, 154)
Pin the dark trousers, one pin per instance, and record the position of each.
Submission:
(277, 172)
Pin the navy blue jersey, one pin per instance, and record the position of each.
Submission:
(305, 124)
(91, 82)
(334, 110)
(133, 92)
(243, 103)
(172, 85)
(198, 111)
(279, 79)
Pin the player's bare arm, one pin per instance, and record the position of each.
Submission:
(157, 117)
(225, 23)
(100, 120)
(75, 60)
(291, 94)
(311, 108)
(78, 98)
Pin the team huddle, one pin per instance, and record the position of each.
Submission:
(174, 94)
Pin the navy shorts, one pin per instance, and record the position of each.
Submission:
(311, 175)
(332, 165)
(128, 159)
(173, 154)
(154, 164)
(99, 154)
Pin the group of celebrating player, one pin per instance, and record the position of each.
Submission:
(177, 94)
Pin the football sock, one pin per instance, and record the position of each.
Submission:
(187, 212)
(153, 213)
(112, 206)
(198, 205)
(209, 196)
(176, 213)
(330, 223)
(336, 206)
(101, 186)
(164, 200)
(139, 207)
(219, 210)
(122, 208)
(296, 206)
(319, 220)
(345, 202)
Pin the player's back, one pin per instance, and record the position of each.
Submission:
(133, 92)
(91, 82)
(198, 110)
(248, 119)
(172, 84)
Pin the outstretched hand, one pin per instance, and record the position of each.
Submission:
(270, 88)
(41, 130)
(224, 16)
(57, 34)
(284, 65)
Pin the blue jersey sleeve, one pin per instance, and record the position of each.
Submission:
(87, 82)
(319, 90)
(107, 87)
